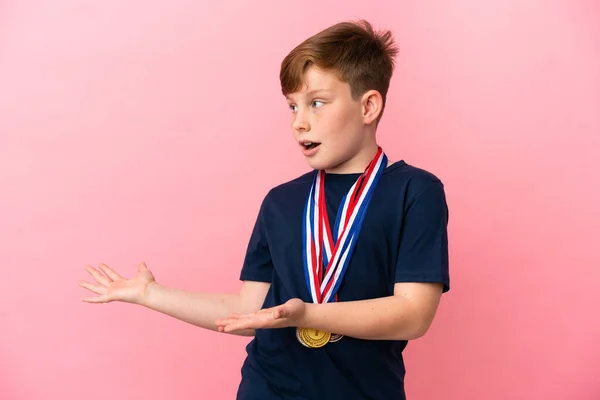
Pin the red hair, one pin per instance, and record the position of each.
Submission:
(353, 51)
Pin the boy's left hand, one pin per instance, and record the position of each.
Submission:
(288, 314)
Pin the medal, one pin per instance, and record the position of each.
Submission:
(326, 253)
(335, 338)
(312, 338)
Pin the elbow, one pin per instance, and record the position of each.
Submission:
(419, 331)
(420, 322)
(415, 330)
(414, 333)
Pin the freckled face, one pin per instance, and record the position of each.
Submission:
(327, 122)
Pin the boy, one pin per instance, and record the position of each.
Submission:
(345, 263)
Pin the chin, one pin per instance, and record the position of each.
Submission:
(321, 164)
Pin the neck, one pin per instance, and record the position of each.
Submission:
(356, 164)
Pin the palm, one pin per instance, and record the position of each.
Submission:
(111, 286)
(128, 289)
(290, 313)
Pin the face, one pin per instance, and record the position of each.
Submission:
(334, 132)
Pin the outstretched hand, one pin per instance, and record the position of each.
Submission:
(110, 286)
(291, 313)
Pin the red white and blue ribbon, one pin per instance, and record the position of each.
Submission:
(327, 253)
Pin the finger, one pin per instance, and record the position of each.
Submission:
(251, 320)
(98, 289)
(110, 273)
(142, 267)
(270, 314)
(96, 299)
(226, 321)
(238, 326)
(101, 279)
(266, 313)
(256, 323)
(241, 316)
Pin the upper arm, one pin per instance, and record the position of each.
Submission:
(253, 295)
(423, 247)
(257, 270)
(422, 272)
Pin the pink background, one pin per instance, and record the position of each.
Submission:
(151, 131)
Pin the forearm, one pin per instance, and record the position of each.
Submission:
(199, 309)
(387, 318)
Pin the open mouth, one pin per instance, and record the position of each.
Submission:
(309, 145)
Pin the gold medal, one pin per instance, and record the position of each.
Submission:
(312, 338)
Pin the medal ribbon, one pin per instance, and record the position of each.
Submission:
(326, 256)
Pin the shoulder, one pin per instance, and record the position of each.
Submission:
(290, 188)
(416, 192)
(412, 181)
(287, 195)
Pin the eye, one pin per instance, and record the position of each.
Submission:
(317, 103)
(293, 107)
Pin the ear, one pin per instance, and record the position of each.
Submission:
(372, 104)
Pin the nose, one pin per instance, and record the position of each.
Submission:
(300, 122)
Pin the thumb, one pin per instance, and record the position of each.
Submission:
(282, 312)
(142, 267)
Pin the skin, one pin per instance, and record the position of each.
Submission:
(325, 112)
(322, 111)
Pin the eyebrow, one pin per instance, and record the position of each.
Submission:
(311, 93)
